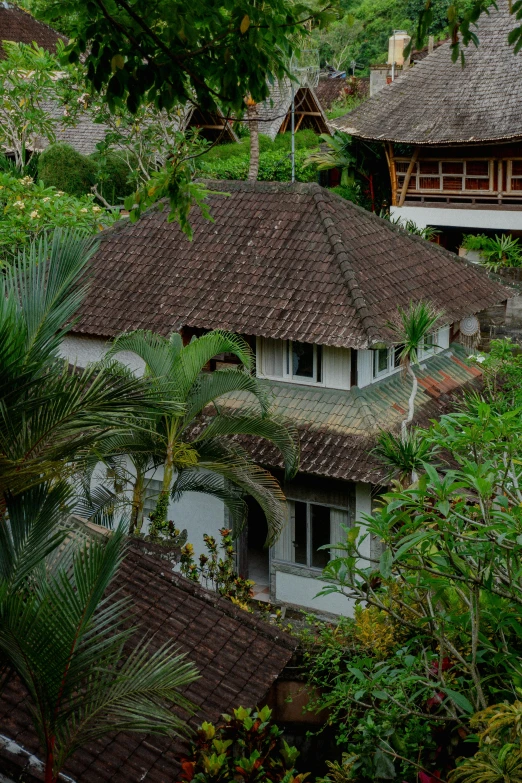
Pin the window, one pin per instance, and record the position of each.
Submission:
(429, 347)
(514, 175)
(304, 362)
(447, 175)
(310, 527)
(386, 361)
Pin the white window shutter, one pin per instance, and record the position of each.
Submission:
(284, 546)
(443, 338)
(338, 517)
(364, 368)
(336, 367)
(272, 356)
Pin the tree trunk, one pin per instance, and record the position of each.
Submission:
(253, 125)
(411, 403)
(138, 501)
(162, 506)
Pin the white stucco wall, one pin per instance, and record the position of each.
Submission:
(460, 217)
(302, 591)
(82, 350)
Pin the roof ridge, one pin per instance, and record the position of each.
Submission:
(347, 272)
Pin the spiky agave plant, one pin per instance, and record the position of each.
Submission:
(411, 327)
(404, 455)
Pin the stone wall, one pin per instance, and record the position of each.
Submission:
(504, 320)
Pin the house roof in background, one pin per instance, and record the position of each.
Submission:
(338, 429)
(273, 112)
(440, 102)
(330, 90)
(19, 26)
(281, 260)
(238, 656)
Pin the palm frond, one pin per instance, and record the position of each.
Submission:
(194, 356)
(277, 432)
(411, 326)
(212, 386)
(215, 485)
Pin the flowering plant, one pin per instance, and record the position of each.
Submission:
(28, 209)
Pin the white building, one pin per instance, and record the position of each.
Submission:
(311, 281)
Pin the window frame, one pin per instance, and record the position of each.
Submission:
(309, 503)
(317, 363)
(414, 185)
(392, 367)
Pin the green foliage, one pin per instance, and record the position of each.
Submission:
(496, 253)
(362, 166)
(27, 86)
(112, 175)
(448, 587)
(60, 166)
(404, 456)
(245, 746)
(205, 458)
(218, 573)
(29, 210)
(62, 630)
(231, 161)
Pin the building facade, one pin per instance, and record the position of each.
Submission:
(311, 281)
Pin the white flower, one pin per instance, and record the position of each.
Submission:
(35, 213)
(96, 209)
(60, 193)
(26, 180)
(46, 199)
(83, 210)
(19, 204)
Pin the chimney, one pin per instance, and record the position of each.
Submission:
(396, 46)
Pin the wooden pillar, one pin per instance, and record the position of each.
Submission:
(393, 173)
(407, 178)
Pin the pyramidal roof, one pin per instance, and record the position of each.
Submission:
(280, 260)
(441, 102)
(19, 26)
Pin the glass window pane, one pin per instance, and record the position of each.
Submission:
(478, 167)
(429, 166)
(319, 360)
(452, 167)
(300, 533)
(429, 342)
(380, 361)
(516, 167)
(303, 360)
(320, 528)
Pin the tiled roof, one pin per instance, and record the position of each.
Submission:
(238, 656)
(282, 260)
(330, 90)
(438, 101)
(19, 26)
(338, 429)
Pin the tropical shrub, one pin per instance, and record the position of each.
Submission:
(29, 210)
(495, 252)
(443, 606)
(62, 167)
(215, 572)
(245, 746)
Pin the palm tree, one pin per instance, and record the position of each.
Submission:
(336, 154)
(200, 450)
(68, 639)
(253, 126)
(50, 416)
(411, 327)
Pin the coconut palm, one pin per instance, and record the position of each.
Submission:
(51, 417)
(411, 327)
(200, 449)
(336, 152)
(67, 636)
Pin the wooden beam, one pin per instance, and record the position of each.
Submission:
(309, 113)
(407, 178)
(393, 174)
(299, 121)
